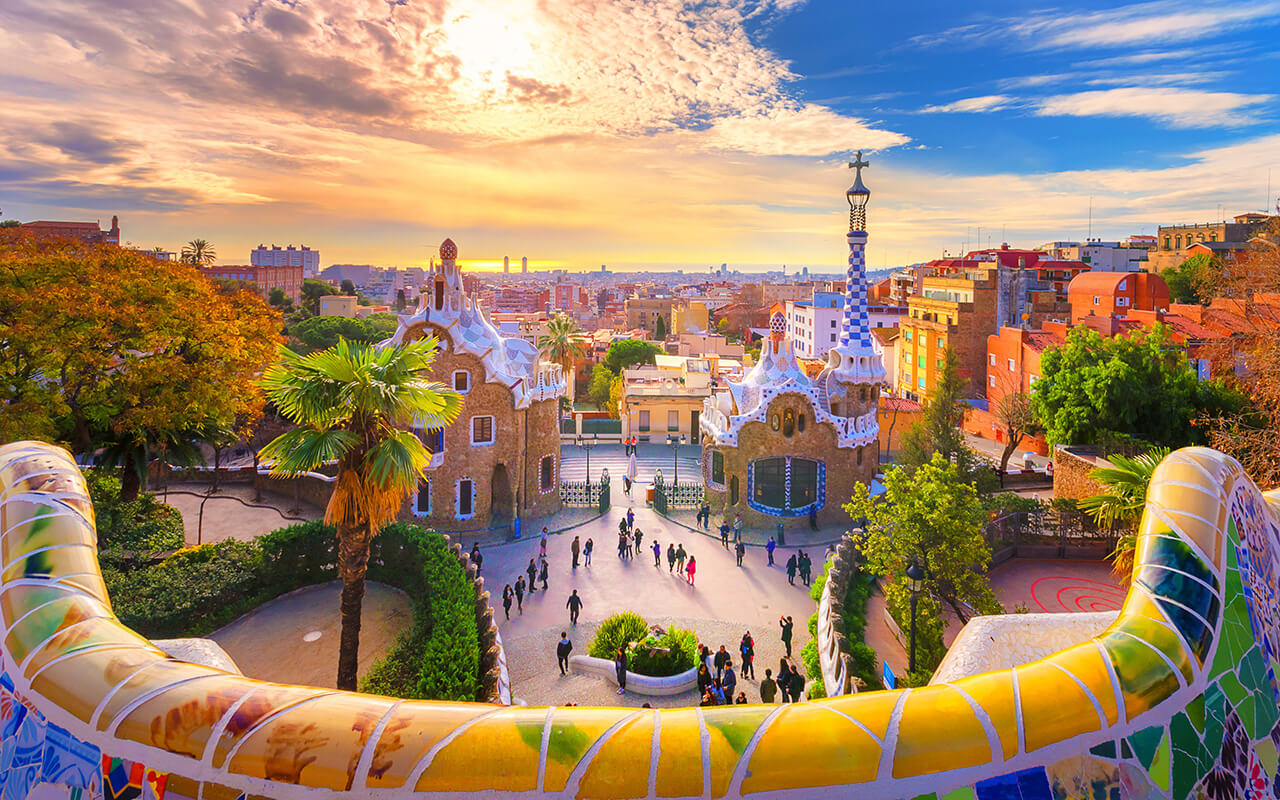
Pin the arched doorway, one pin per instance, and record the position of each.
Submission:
(502, 500)
(733, 490)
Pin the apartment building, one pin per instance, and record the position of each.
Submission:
(1112, 294)
(665, 398)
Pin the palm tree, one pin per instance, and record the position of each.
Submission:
(199, 253)
(348, 403)
(1125, 485)
(562, 343)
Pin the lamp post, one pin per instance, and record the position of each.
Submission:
(915, 576)
(675, 442)
(587, 444)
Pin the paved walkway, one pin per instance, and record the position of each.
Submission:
(233, 513)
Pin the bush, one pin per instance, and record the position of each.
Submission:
(680, 648)
(619, 630)
(136, 530)
(865, 664)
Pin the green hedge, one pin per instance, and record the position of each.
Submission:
(619, 630)
(196, 591)
(136, 530)
(675, 651)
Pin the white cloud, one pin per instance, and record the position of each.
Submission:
(972, 105)
(1181, 108)
(810, 130)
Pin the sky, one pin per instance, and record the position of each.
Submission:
(621, 132)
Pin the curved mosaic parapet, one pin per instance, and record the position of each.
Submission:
(1176, 699)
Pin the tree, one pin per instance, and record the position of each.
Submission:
(628, 353)
(602, 379)
(276, 298)
(1013, 414)
(931, 517)
(659, 329)
(100, 350)
(312, 291)
(615, 397)
(938, 429)
(562, 342)
(321, 333)
(199, 253)
(10, 223)
(348, 402)
(1124, 496)
(1110, 391)
(348, 287)
(1191, 281)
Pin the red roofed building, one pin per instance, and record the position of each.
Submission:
(1115, 294)
(84, 231)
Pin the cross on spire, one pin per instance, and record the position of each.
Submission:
(858, 163)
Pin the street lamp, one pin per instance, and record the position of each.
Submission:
(915, 578)
(675, 442)
(587, 444)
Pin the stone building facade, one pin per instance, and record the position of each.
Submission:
(501, 457)
(781, 447)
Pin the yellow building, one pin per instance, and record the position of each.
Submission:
(956, 311)
(693, 318)
(665, 399)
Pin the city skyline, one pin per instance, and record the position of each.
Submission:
(670, 134)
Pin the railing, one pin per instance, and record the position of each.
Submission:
(1046, 534)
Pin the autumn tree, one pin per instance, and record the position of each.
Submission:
(931, 517)
(106, 350)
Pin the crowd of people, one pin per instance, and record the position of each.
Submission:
(718, 681)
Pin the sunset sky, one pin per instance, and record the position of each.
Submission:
(588, 132)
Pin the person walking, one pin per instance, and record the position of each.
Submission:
(476, 557)
(691, 569)
(574, 605)
(722, 658)
(631, 519)
(747, 649)
(680, 557)
(769, 547)
(586, 552)
(626, 485)
(620, 669)
(657, 554)
(791, 570)
(520, 595)
(574, 549)
(724, 533)
(507, 595)
(806, 567)
(768, 688)
(532, 572)
(671, 558)
(729, 681)
(542, 574)
(542, 543)
(741, 550)
(563, 649)
(737, 528)
(706, 516)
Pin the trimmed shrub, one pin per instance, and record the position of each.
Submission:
(137, 530)
(673, 652)
(619, 630)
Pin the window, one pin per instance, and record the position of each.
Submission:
(673, 420)
(859, 456)
(1095, 300)
(992, 358)
(644, 421)
(1122, 302)
(833, 323)
(466, 499)
(422, 503)
(920, 382)
(546, 473)
(482, 430)
(432, 440)
(1123, 283)
(462, 381)
(908, 335)
(833, 337)
(991, 381)
(924, 340)
(786, 485)
(1011, 366)
(717, 467)
(921, 360)
(800, 423)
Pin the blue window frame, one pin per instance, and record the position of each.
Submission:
(786, 486)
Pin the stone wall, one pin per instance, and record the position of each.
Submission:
(816, 441)
(833, 637)
(1071, 468)
(494, 678)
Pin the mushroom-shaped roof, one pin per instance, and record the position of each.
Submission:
(778, 324)
(448, 249)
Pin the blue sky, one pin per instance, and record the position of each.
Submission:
(633, 132)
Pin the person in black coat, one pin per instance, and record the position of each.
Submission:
(620, 669)
(787, 627)
(563, 649)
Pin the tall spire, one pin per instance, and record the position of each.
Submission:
(857, 327)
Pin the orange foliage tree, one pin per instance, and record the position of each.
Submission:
(109, 351)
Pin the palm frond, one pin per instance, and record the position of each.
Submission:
(396, 462)
(305, 449)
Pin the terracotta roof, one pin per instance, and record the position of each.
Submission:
(898, 404)
(1041, 340)
(91, 226)
(1093, 282)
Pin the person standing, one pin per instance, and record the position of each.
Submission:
(586, 552)
(737, 527)
(620, 669)
(542, 574)
(704, 679)
(706, 516)
(542, 543)
(574, 605)
(532, 572)
(797, 686)
(631, 519)
(769, 547)
(639, 539)
(784, 679)
(476, 558)
(507, 594)
(724, 533)
(768, 689)
(740, 549)
(729, 681)
(657, 554)
(813, 516)
(787, 627)
(520, 595)
(671, 558)
(691, 569)
(747, 648)
(791, 570)
(563, 649)
(574, 548)
(680, 557)
(722, 658)
(806, 567)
